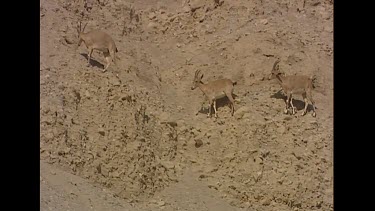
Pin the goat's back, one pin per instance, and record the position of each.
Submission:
(297, 83)
(221, 83)
(99, 40)
(219, 87)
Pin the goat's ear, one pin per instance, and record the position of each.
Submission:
(201, 76)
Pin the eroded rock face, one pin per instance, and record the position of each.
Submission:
(133, 129)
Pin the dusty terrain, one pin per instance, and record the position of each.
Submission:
(130, 139)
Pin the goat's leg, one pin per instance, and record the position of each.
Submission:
(89, 56)
(108, 58)
(314, 112)
(287, 103)
(291, 103)
(113, 55)
(108, 63)
(209, 108)
(306, 104)
(215, 109)
(232, 102)
(309, 95)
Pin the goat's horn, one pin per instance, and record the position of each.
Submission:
(275, 64)
(197, 72)
(84, 27)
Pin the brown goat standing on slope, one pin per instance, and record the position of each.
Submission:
(294, 84)
(214, 90)
(98, 40)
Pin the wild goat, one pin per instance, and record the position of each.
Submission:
(214, 90)
(294, 84)
(98, 40)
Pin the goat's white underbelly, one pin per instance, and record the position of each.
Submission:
(220, 95)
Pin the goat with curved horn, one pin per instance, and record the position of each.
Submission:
(294, 84)
(214, 90)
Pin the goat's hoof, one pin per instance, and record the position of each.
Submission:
(286, 111)
(313, 114)
(88, 65)
(303, 113)
(104, 70)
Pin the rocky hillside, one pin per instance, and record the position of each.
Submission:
(135, 131)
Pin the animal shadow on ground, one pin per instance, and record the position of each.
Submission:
(299, 104)
(93, 62)
(219, 103)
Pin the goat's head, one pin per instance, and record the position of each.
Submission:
(275, 70)
(197, 79)
(80, 32)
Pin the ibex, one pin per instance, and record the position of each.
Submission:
(98, 40)
(214, 90)
(294, 84)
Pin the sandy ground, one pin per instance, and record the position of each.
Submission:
(130, 139)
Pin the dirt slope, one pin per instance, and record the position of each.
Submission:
(134, 132)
